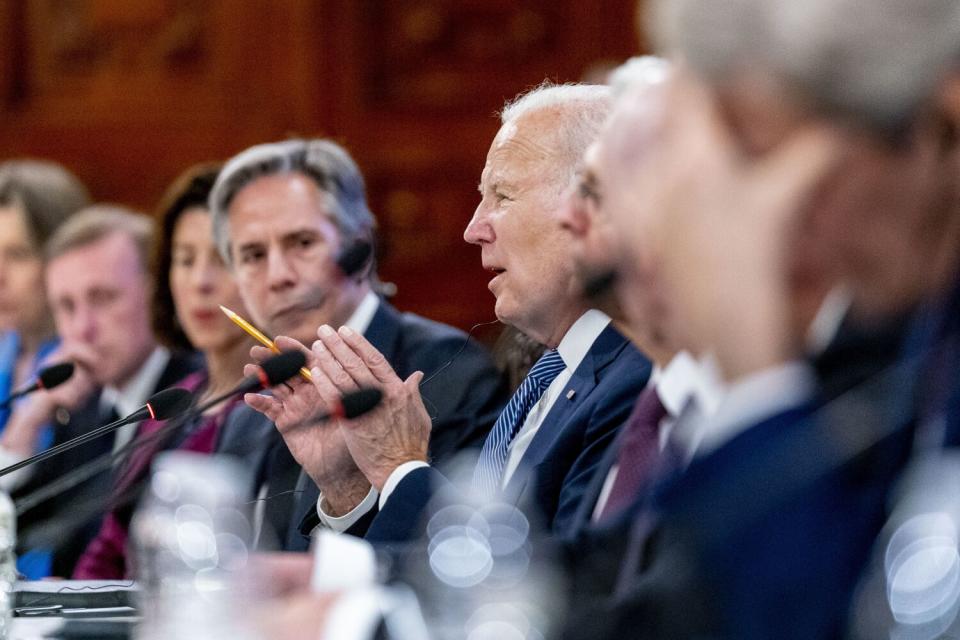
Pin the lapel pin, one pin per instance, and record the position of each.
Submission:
(571, 393)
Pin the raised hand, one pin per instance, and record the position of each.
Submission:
(398, 430)
(318, 447)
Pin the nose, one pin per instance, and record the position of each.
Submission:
(280, 274)
(205, 276)
(479, 230)
(83, 324)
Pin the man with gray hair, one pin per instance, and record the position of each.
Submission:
(803, 139)
(547, 442)
(292, 221)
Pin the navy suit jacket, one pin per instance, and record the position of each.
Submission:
(81, 421)
(765, 536)
(563, 455)
(463, 392)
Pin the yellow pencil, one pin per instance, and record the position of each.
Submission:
(260, 337)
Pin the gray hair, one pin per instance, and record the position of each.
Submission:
(325, 162)
(97, 222)
(46, 193)
(876, 60)
(581, 111)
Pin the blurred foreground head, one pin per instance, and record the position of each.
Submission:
(880, 71)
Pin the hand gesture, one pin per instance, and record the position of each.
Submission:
(398, 430)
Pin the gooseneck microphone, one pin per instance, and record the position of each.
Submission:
(272, 372)
(352, 404)
(161, 406)
(48, 378)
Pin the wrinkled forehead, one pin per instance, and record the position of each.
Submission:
(525, 150)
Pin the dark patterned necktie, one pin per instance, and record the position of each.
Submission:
(639, 450)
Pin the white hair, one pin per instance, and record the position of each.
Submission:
(878, 60)
(581, 111)
(638, 71)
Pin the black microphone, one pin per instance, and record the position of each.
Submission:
(352, 404)
(355, 257)
(52, 376)
(272, 371)
(161, 406)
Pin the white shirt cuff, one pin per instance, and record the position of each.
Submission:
(396, 476)
(756, 397)
(344, 522)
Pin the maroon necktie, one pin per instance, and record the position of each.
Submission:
(639, 449)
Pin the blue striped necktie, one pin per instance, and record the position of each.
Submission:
(493, 457)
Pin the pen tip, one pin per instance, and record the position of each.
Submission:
(225, 310)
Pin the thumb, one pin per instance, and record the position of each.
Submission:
(413, 381)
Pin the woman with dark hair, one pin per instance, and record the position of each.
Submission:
(191, 282)
(35, 198)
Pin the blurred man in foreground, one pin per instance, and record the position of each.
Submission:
(768, 168)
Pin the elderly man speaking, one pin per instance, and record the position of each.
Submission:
(547, 442)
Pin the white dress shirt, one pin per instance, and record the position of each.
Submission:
(684, 386)
(134, 393)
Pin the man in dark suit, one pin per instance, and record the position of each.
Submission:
(547, 442)
(98, 285)
(287, 218)
(766, 532)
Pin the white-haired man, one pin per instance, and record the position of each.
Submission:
(547, 442)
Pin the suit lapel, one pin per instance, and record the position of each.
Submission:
(384, 330)
(574, 394)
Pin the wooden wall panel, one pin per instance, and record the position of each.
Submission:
(130, 93)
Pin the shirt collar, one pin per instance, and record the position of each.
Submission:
(581, 336)
(677, 383)
(362, 316)
(138, 389)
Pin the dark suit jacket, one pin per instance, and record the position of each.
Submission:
(767, 535)
(463, 392)
(562, 457)
(71, 545)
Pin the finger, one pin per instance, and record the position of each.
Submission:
(373, 359)
(266, 405)
(352, 363)
(260, 353)
(332, 368)
(413, 381)
(326, 389)
(285, 343)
